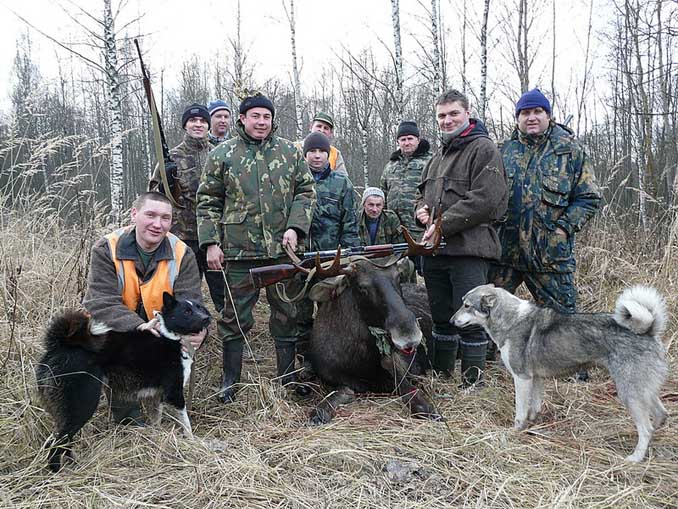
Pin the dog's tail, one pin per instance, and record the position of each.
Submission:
(75, 328)
(641, 309)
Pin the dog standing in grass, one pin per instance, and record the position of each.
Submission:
(81, 356)
(538, 343)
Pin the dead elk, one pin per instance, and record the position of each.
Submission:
(347, 352)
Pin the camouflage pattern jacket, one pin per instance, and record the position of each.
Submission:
(215, 140)
(399, 182)
(190, 156)
(551, 184)
(388, 231)
(334, 217)
(465, 180)
(250, 193)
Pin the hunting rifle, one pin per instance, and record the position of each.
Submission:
(265, 276)
(167, 167)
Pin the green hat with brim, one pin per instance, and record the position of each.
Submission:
(324, 117)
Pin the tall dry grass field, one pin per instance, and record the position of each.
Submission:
(261, 452)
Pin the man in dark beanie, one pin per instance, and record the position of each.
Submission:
(255, 198)
(220, 115)
(334, 221)
(552, 194)
(465, 182)
(402, 175)
(190, 156)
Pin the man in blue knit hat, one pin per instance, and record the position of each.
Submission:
(220, 114)
(552, 194)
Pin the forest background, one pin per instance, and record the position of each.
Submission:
(75, 149)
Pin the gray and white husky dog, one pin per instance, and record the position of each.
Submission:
(538, 343)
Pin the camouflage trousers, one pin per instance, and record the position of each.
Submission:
(550, 289)
(237, 319)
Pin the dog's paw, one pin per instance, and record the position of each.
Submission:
(634, 458)
(521, 425)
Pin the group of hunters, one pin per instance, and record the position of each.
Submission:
(246, 196)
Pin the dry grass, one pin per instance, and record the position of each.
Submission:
(260, 451)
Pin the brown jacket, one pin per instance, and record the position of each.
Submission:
(103, 298)
(465, 179)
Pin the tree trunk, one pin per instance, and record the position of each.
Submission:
(437, 75)
(483, 60)
(295, 69)
(115, 112)
(395, 17)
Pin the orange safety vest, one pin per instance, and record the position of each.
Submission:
(334, 154)
(149, 292)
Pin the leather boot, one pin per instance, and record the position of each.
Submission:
(285, 352)
(232, 358)
(473, 356)
(445, 348)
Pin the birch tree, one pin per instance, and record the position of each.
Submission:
(435, 31)
(295, 68)
(395, 18)
(483, 60)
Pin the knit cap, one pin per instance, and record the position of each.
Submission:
(372, 191)
(218, 105)
(316, 140)
(533, 99)
(406, 128)
(256, 101)
(195, 110)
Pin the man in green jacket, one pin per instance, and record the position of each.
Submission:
(255, 197)
(553, 194)
(376, 225)
(465, 182)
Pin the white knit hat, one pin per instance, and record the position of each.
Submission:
(372, 191)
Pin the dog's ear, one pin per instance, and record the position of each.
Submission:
(487, 302)
(168, 300)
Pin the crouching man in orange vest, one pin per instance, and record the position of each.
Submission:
(129, 271)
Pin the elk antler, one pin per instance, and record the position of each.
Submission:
(296, 261)
(421, 248)
(333, 270)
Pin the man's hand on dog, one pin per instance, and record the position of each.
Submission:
(152, 326)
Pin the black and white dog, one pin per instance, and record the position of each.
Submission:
(81, 356)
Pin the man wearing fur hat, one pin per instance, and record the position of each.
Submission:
(255, 197)
(220, 114)
(552, 194)
(190, 156)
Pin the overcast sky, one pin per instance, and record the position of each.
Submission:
(178, 28)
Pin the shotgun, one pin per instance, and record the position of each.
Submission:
(167, 167)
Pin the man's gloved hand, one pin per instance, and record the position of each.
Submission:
(171, 172)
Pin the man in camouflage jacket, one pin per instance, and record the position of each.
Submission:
(377, 225)
(402, 174)
(190, 156)
(334, 217)
(552, 195)
(255, 196)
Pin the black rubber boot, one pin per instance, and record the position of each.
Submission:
(285, 352)
(232, 358)
(473, 355)
(445, 352)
